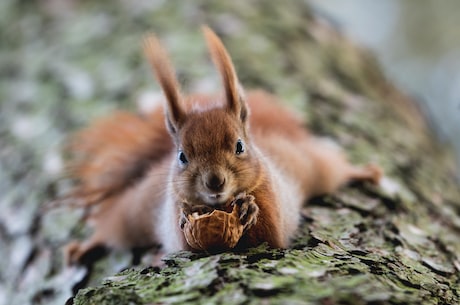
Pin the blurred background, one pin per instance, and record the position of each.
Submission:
(65, 62)
(418, 45)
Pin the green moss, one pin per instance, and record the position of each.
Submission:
(397, 244)
(361, 245)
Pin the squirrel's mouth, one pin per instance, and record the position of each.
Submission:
(215, 196)
(215, 199)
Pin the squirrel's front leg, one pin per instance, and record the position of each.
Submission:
(249, 210)
(259, 214)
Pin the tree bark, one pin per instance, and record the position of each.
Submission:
(394, 244)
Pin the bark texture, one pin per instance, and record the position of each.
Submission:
(394, 244)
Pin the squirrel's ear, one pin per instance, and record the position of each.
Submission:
(233, 91)
(159, 60)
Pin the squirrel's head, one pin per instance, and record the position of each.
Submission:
(215, 159)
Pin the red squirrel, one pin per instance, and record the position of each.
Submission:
(135, 172)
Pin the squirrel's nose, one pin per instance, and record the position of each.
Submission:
(215, 182)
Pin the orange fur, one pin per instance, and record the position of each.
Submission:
(148, 170)
(115, 152)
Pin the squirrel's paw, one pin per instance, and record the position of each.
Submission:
(182, 219)
(187, 210)
(248, 210)
(73, 252)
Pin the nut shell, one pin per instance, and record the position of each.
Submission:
(216, 231)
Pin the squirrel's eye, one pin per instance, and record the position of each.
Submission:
(239, 147)
(182, 158)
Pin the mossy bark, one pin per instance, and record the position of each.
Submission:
(394, 244)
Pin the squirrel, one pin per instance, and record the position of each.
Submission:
(135, 172)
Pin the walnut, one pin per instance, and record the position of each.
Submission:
(214, 231)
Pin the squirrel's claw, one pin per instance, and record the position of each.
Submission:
(248, 210)
(182, 219)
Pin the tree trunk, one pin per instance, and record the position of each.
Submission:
(394, 244)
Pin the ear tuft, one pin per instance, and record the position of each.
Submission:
(221, 58)
(159, 61)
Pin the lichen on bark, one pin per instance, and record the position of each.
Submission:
(394, 244)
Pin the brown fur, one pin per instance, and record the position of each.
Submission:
(134, 162)
(113, 153)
